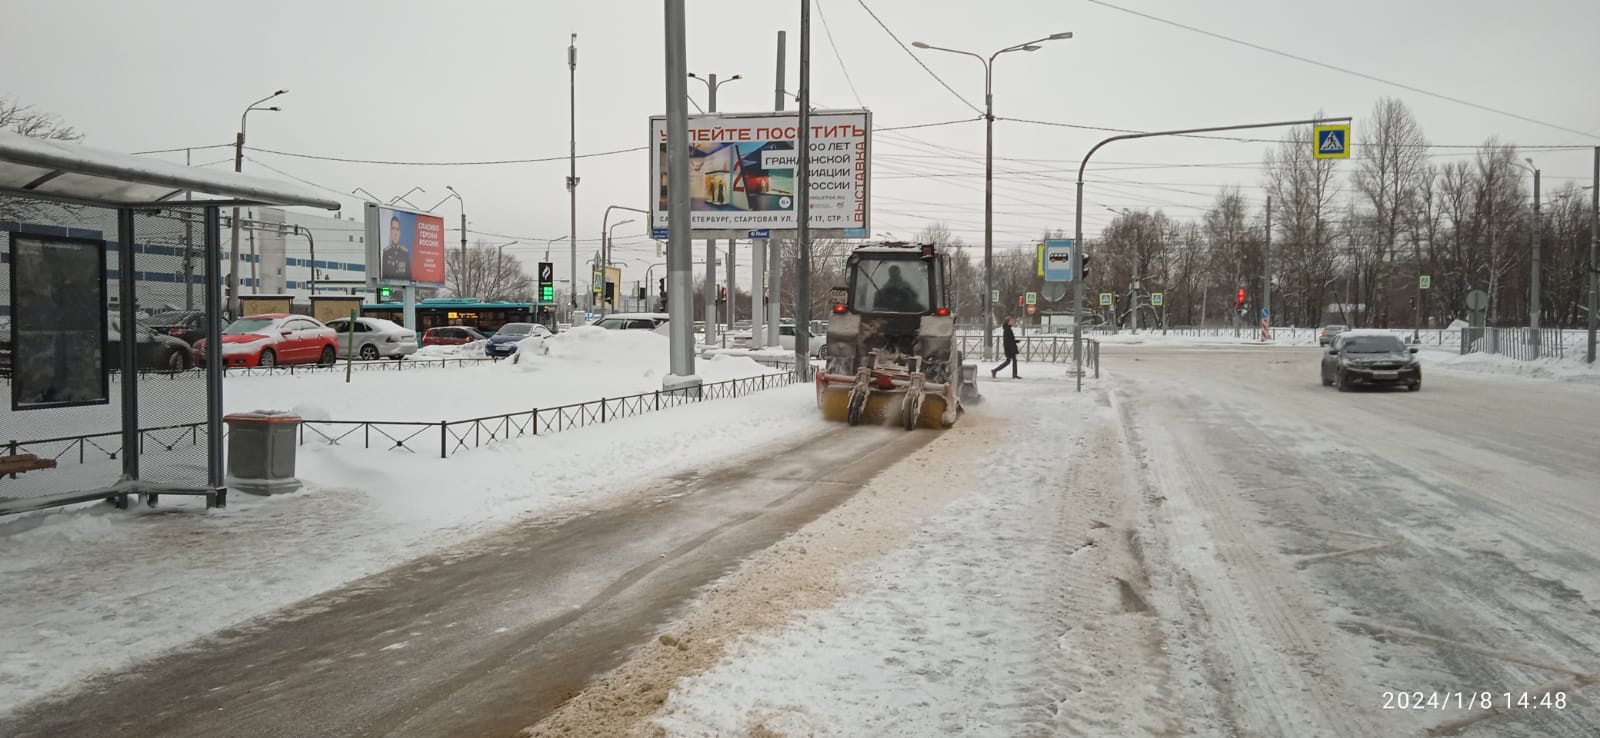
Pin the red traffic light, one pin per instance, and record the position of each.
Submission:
(838, 308)
(1019, 301)
(1240, 300)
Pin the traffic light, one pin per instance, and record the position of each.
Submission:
(722, 294)
(640, 294)
(1019, 300)
(1085, 275)
(385, 293)
(1240, 299)
(662, 285)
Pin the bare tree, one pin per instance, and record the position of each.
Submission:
(1393, 167)
(487, 274)
(1303, 189)
(32, 122)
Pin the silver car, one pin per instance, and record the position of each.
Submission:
(374, 338)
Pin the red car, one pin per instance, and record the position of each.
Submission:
(451, 335)
(274, 339)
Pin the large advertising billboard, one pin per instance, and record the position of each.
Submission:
(403, 246)
(742, 173)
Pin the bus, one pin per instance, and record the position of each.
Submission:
(487, 317)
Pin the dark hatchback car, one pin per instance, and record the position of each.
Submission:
(1370, 359)
(189, 325)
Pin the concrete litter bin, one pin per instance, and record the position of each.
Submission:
(261, 449)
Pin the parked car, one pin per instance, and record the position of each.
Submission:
(504, 341)
(373, 338)
(275, 339)
(451, 335)
(1328, 333)
(189, 325)
(633, 321)
(154, 350)
(816, 345)
(1370, 358)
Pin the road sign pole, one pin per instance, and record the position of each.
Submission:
(1266, 276)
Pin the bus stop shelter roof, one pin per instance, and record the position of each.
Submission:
(74, 173)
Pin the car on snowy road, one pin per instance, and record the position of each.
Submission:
(633, 322)
(452, 335)
(374, 338)
(1370, 358)
(1326, 335)
(274, 339)
(504, 341)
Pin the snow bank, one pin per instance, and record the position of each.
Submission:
(471, 350)
(1571, 367)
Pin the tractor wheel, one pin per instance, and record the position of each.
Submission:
(858, 406)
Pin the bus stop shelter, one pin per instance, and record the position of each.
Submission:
(90, 235)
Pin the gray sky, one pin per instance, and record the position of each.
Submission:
(476, 80)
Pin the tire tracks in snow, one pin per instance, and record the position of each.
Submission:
(1239, 612)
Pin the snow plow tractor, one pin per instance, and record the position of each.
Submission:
(892, 355)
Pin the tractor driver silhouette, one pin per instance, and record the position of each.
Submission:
(897, 295)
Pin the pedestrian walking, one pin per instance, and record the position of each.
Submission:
(1009, 343)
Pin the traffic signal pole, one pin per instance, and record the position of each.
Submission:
(1077, 266)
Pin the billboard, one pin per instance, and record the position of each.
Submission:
(403, 246)
(59, 322)
(742, 173)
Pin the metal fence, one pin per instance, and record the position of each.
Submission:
(448, 436)
(1518, 343)
(1052, 348)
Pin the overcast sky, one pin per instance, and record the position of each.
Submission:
(423, 80)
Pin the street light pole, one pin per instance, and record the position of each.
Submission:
(463, 203)
(1533, 289)
(610, 238)
(1077, 251)
(572, 160)
(680, 273)
(988, 171)
(238, 166)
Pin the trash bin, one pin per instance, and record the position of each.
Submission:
(261, 448)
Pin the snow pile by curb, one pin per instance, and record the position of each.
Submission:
(1571, 367)
(472, 350)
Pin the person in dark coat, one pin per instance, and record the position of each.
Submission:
(1009, 343)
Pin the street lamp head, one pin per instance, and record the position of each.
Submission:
(1030, 47)
(919, 44)
(734, 77)
(1061, 36)
(274, 108)
(280, 92)
(692, 75)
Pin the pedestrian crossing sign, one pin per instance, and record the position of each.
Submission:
(1105, 298)
(1331, 142)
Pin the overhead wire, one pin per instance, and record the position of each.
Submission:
(1337, 68)
(918, 59)
(836, 55)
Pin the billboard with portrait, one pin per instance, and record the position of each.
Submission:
(742, 173)
(58, 322)
(404, 246)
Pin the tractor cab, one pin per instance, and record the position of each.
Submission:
(892, 327)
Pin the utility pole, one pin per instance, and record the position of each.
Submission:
(1533, 288)
(680, 309)
(1266, 276)
(572, 155)
(733, 292)
(1594, 252)
(775, 246)
(802, 281)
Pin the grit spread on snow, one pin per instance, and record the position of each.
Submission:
(82, 577)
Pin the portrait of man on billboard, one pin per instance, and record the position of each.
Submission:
(396, 252)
